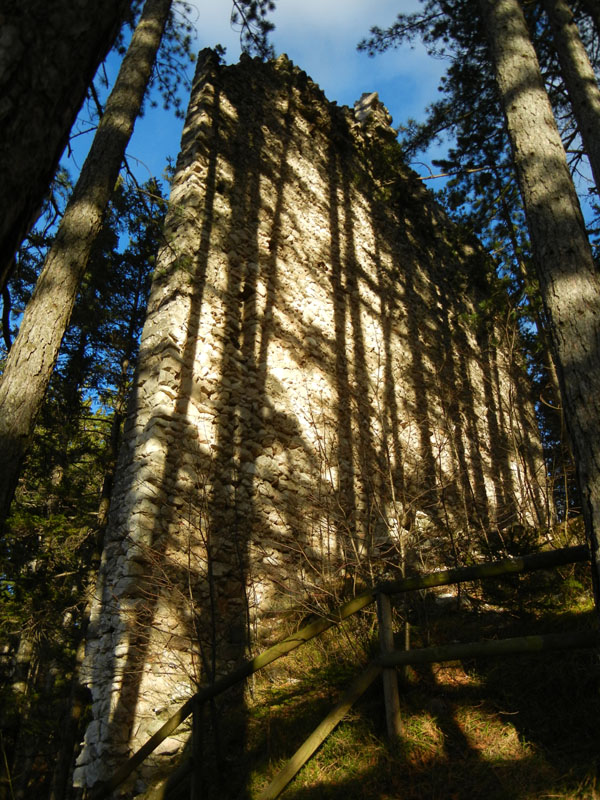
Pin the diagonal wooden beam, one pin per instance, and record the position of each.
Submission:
(318, 736)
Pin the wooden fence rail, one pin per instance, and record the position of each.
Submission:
(492, 647)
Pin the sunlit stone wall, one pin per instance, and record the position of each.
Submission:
(316, 400)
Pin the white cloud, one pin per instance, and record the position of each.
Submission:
(320, 36)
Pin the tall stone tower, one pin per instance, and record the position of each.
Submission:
(318, 398)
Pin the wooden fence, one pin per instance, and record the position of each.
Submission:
(385, 663)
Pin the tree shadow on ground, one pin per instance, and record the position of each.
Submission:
(517, 727)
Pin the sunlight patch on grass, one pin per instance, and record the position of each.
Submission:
(490, 736)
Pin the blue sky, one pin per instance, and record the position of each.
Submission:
(320, 36)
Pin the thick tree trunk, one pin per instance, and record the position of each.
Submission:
(49, 52)
(34, 352)
(569, 281)
(580, 80)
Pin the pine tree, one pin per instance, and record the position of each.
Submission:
(568, 278)
(49, 557)
(579, 78)
(482, 192)
(33, 355)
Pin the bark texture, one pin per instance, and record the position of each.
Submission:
(569, 281)
(34, 352)
(49, 53)
(579, 78)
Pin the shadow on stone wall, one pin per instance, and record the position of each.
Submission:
(138, 571)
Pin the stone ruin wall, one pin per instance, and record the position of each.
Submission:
(310, 404)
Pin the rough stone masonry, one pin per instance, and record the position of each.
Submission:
(319, 398)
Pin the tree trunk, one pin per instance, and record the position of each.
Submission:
(34, 352)
(49, 52)
(524, 279)
(569, 281)
(580, 80)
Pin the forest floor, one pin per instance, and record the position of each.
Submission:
(519, 727)
(510, 728)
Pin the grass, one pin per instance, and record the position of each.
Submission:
(518, 728)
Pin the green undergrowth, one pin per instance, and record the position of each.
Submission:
(517, 727)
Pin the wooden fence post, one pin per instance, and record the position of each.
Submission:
(390, 678)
